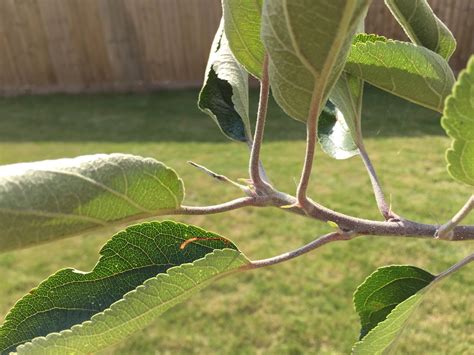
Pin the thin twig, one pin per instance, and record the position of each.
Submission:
(325, 239)
(311, 139)
(376, 186)
(255, 167)
(455, 267)
(445, 231)
(219, 177)
(263, 173)
(223, 207)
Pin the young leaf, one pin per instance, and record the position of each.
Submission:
(412, 72)
(422, 26)
(53, 199)
(242, 22)
(224, 96)
(307, 42)
(143, 271)
(387, 299)
(458, 122)
(334, 135)
(378, 295)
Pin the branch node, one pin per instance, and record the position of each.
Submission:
(445, 232)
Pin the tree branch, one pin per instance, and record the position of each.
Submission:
(346, 224)
(325, 239)
(445, 231)
(360, 226)
(255, 168)
(401, 228)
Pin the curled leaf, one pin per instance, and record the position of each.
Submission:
(224, 96)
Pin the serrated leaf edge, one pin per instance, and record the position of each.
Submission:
(137, 291)
(393, 42)
(469, 70)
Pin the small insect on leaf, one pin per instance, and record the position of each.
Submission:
(195, 239)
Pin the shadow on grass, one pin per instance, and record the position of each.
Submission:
(173, 116)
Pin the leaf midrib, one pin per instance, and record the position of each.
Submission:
(151, 309)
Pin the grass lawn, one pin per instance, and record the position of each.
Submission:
(303, 306)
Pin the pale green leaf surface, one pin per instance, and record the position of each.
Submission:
(242, 22)
(224, 95)
(307, 42)
(385, 301)
(347, 95)
(334, 135)
(458, 122)
(412, 72)
(383, 338)
(142, 271)
(422, 26)
(52, 199)
(384, 289)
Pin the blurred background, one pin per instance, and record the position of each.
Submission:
(103, 45)
(100, 76)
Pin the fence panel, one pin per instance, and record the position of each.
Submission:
(98, 45)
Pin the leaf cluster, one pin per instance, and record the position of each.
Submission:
(316, 58)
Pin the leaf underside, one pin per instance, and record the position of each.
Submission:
(404, 69)
(384, 302)
(164, 260)
(422, 26)
(458, 122)
(334, 135)
(224, 95)
(242, 21)
(307, 42)
(53, 199)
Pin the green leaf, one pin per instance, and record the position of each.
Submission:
(378, 295)
(422, 26)
(334, 135)
(242, 22)
(412, 72)
(224, 96)
(143, 271)
(345, 134)
(347, 95)
(384, 302)
(53, 199)
(307, 42)
(458, 122)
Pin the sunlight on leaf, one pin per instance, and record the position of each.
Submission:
(53, 199)
(458, 122)
(307, 43)
(422, 26)
(142, 271)
(403, 69)
(242, 22)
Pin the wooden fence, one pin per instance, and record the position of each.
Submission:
(104, 45)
